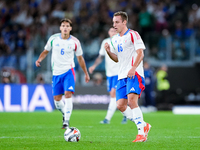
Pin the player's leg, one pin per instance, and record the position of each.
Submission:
(59, 104)
(69, 88)
(137, 117)
(125, 109)
(134, 89)
(111, 107)
(68, 107)
(58, 91)
(122, 101)
(143, 127)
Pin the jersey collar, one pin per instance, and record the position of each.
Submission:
(65, 39)
(125, 32)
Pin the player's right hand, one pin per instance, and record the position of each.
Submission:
(37, 63)
(107, 47)
(87, 78)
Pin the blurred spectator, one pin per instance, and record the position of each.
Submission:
(149, 93)
(97, 79)
(11, 75)
(5, 57)
(58, 12)
(163, 84)
(160, 17)
(28, 24)
(6, 76)
(146, 22)
(40, 79)
(178, 29)
(162, 45)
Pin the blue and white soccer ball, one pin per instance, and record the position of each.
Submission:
(72, 135)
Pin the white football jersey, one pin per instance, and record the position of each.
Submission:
(63, 50)
(110, 66)
(125, 48)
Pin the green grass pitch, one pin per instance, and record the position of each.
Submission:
(42, 131)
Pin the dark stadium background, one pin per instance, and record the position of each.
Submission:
(27, 24)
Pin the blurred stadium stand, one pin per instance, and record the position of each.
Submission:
(169, 28)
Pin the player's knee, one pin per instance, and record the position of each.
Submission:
(132, 104)
(113, 93)
(57, 97)
(68, 94)
(121, 107)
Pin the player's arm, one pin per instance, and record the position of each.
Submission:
(81, 62)
(41, 57)
(110, 54)
(96, 63)
(138, 59)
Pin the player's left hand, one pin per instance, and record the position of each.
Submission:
(91, 69)
(131, 73)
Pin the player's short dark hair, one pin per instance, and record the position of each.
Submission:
(123, 15)
(66, 20)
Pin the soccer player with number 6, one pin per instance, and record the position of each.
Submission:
(63, 47)
(127, 49)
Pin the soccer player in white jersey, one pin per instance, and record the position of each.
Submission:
(127, 49)
(63, 47)
(111, 68)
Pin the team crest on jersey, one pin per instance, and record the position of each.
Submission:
(70, 46)
(125, 41)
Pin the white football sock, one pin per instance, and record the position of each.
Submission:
(59, 105)
(128, 113)
(138, 119)
(68, 108)
(111, 108)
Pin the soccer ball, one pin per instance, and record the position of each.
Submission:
(72, 135)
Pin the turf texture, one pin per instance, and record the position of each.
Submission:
(42, 131)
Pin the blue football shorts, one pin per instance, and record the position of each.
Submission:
(112, 82)
(126, 86)
(64, 82)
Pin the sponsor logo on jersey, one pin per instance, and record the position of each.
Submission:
(57, 45)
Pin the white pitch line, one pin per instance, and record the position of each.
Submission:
(23, 137)
(7, 137)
